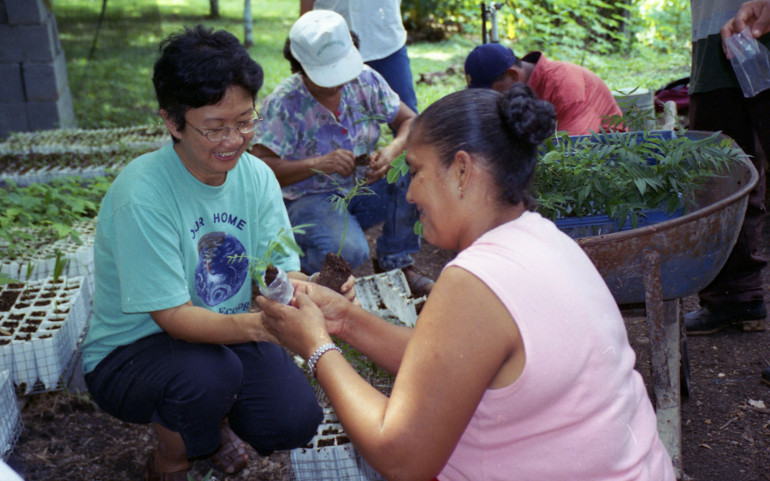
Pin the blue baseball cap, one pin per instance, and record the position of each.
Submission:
(486, 63)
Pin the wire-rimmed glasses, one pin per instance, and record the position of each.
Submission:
(222, 133)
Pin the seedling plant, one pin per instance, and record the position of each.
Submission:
(283, 244)
(341, 203)
(624, 175)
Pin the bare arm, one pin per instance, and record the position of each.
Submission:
(197, 324)
(288, 172)
(381, 341)
(460, 347)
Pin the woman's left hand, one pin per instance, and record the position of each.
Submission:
(348, 290)
(301, 327)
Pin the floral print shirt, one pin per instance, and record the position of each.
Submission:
(297, 126)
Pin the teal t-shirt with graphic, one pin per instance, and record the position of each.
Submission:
(164, 238)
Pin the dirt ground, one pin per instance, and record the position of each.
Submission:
(725, 436)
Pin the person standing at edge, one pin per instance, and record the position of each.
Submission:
(736, 296)
(755, 15)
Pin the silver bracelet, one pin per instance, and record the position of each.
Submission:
(317, 355)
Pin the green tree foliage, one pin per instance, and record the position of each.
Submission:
(571, 28)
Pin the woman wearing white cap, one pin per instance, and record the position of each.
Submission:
(320, 119)
(379, 25)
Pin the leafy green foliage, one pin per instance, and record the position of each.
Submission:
(42, 210)
(622, 176)
(397, 168)
(568, 28)
(59, 266)
(283, 243)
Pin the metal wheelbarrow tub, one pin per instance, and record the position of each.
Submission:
(692, 248)
(660, 263)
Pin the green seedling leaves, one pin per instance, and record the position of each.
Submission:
(282, 244)
(622, 177)
(398, 168)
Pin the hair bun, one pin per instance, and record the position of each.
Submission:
(526, 116)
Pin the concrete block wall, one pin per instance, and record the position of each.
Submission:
(34, 92)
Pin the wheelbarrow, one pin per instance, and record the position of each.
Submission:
(661, 263)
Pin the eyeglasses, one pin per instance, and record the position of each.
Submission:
(222, 133)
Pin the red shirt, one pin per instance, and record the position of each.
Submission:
(581, 99)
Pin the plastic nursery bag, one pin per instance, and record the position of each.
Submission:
(280, 290)
(751, 62)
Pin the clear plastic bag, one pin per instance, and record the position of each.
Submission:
(751, 62)
(280, 290)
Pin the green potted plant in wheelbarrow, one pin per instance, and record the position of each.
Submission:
(608, 182)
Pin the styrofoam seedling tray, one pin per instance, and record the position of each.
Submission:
(10, 416)
(79, 257)
(330, 456)
(48, 174)
(86, 140)
(43, 330)
(387, 295)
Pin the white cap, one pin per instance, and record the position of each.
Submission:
(320, 41)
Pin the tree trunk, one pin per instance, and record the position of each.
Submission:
(248, 25)
(214, 9)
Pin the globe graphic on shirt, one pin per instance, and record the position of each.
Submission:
(222, 267)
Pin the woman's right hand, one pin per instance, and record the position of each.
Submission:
(335, 307)
(338, 161)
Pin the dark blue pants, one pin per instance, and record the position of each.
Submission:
(190, 388)
(326, 227)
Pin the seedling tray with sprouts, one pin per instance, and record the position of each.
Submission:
(38, 259)
(41, 326)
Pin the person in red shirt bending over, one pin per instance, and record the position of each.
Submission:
(582, 101)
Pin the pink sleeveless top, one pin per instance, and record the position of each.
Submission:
(579, 411)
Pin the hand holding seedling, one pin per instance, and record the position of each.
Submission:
(380, 161)
(301, 326)
(331, 304)
(338, 161)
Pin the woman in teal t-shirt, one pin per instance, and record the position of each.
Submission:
(173, 341)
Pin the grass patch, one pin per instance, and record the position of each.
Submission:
(114, 88)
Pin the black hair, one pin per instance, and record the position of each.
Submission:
(294, 64)
(197, 66)
(503, 130)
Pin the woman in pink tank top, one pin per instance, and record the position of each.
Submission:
(519, 367)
